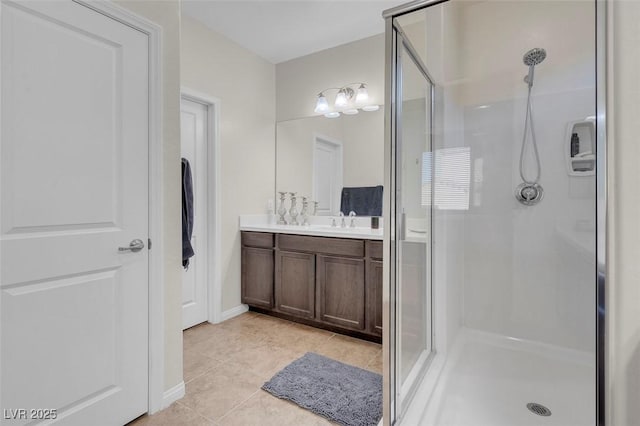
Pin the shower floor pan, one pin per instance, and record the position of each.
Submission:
(490, 379)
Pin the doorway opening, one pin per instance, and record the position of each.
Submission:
(201, 281)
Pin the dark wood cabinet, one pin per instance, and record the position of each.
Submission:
(257, 277)
(341, 291)
(257, 239)
(374, 296)
(326, 245)
(295, 283)
(332, 283)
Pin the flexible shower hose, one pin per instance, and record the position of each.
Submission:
(528, 121)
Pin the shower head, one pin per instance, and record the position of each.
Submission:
(534, 56)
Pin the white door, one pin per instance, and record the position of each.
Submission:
(194, 149)
(73, 188)
(327, 175)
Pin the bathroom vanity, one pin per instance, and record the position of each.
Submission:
(329, 282)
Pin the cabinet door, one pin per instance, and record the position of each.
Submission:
(374, 297)
(295, 283)
(341, 291)
(257, 277)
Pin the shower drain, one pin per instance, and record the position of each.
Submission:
(538, 409)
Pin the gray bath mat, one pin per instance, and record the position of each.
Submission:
(342, 393)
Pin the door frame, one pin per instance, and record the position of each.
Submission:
(213, 270)
(157, 398)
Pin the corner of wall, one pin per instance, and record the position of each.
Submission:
(245, 85)
(167, 15)
(623, 209)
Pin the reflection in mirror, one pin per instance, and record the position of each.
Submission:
(335, 162)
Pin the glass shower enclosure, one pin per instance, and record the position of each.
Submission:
(495, 164)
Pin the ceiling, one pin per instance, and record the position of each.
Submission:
(282, 30)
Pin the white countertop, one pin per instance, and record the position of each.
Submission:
(265, 223)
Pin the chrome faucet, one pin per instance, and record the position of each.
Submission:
(333, 222)
(343, 224)
(352, 215)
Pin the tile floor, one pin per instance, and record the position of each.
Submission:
(226, 364)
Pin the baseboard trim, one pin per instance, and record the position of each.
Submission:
(234, 312)
(172, 395)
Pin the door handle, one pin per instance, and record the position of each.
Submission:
(134, 246)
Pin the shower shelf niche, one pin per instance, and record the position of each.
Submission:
(579, 148)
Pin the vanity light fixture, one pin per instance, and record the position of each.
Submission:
(322, 105)
(362, 96)
(341, 97)
(349, 99)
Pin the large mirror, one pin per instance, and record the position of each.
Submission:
(338, 162)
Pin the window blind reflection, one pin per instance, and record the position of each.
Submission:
(452, 178)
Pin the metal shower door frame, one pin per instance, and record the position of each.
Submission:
(396, 39)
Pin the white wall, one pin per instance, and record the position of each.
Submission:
(449, 228)
(167, 15)
(525, 272)
(509, 269)
(449, 234)
(364, 150)
(245, 84)
(490, 66)
(299, 80)
(623, 289)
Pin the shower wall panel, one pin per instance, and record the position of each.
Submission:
(528, 270)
